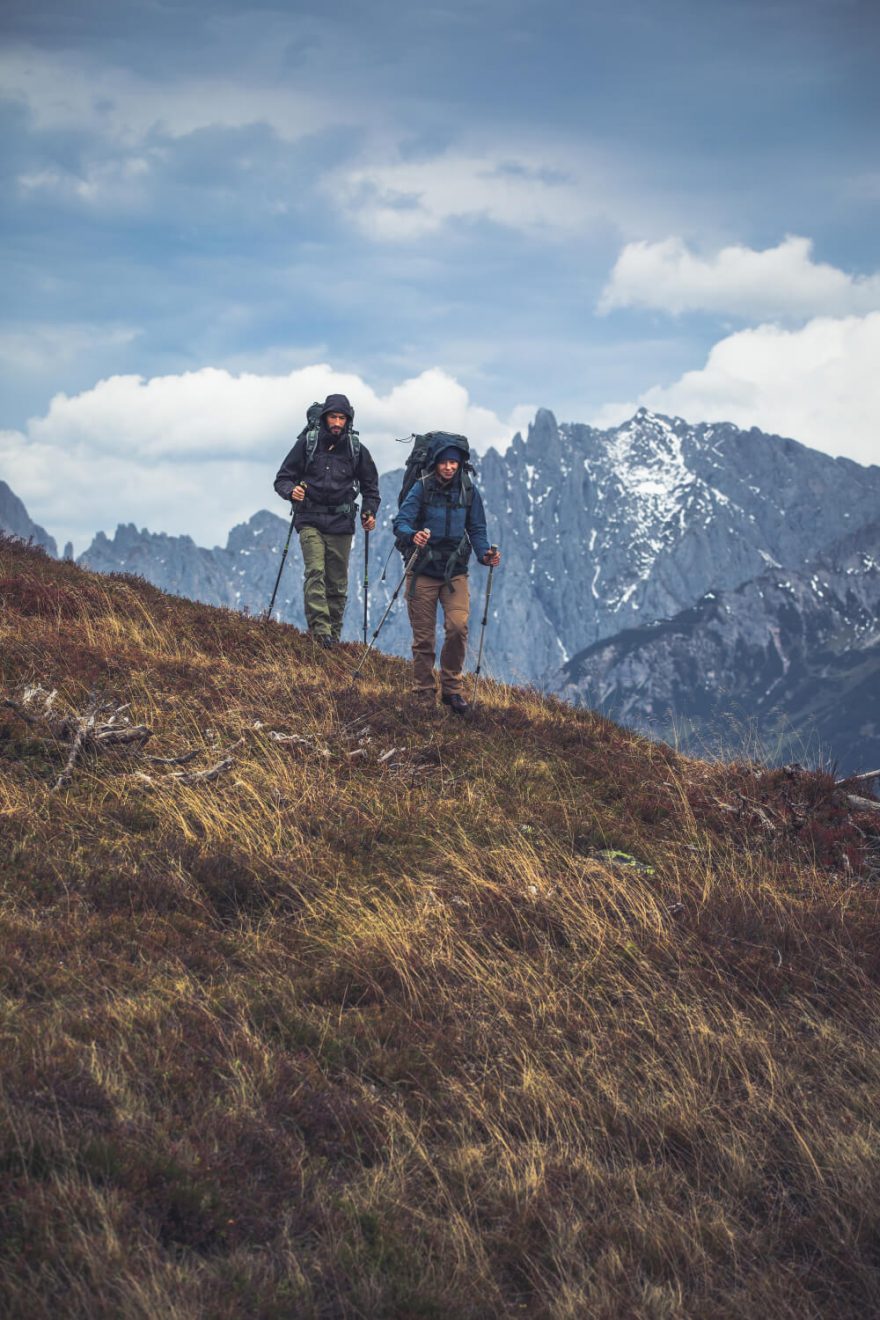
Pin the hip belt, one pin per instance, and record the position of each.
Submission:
(314, 506)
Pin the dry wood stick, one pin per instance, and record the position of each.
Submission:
(851, 779)
(85, 725)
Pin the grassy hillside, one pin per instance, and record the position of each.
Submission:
(358, 1013)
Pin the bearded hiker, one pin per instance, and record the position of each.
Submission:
(442, 517)
(321, 476)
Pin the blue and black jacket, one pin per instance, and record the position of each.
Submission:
(454, 516)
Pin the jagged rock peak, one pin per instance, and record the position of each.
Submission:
(543, 438)
(16, 521)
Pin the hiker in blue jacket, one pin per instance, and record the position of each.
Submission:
(442, 517)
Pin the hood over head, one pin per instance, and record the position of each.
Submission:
(337, 403)
(441, 440)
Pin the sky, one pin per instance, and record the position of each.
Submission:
(212, 213)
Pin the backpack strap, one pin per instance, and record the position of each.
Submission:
(430, 555)
(429, 485)
(311, 445)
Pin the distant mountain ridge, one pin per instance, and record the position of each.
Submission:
(650, 515)
(792, 658)
(599, 530)
(16, 521)
(240, 575)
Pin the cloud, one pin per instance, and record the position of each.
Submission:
(41, 346)
(199, 451)
(121, 183)
(782, 281)
(818, 384)
(64, 93)
(402, 200)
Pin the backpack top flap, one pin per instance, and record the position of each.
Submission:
(421, 460)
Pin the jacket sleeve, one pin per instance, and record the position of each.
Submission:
(368, 480)
(291, 470)
(476, 526)
(404, 525)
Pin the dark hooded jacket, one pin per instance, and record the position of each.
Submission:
(332, 478)
(455, 528)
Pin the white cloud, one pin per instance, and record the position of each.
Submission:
(782, 281)
(65, 93)
(41, 346)
(401, 200)
(199, 451)
(818, 384)
(121, 183)
(132, 120)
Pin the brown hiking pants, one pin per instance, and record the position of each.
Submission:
(422, 596)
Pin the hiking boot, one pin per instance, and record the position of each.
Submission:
(457, 703)
(323, 639)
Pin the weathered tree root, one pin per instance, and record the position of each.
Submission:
(102, 724)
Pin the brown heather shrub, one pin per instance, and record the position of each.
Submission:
(341, 1033)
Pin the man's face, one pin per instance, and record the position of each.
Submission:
(335, 422)
(447, 468)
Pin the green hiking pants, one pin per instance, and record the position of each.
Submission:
(325, 588)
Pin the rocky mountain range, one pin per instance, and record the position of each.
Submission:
(16, 521)
(601, 531)
(786, 665)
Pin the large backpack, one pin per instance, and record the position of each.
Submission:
(419, 469)
(312, 430)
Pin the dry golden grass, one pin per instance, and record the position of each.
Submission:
(341, 1033)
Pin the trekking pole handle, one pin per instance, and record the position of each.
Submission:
(485, 618)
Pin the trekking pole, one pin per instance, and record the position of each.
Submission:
(409, 563)
(387, 562)
(493, 548)
(283, 558)
(366, 580)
